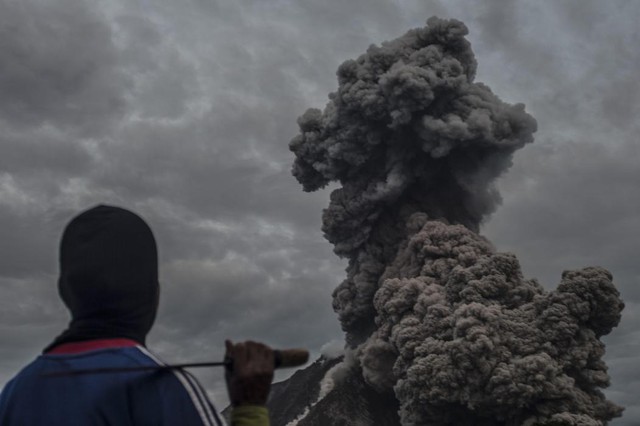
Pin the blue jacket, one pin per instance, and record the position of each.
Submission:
(168, 397)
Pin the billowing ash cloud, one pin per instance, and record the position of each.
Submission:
(468, 340)
(408, 130)
(430, 310)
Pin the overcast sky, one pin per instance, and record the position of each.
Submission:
(182, 112)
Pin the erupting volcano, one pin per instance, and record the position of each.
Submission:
(439, 326)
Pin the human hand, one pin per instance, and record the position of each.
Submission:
(250, 373)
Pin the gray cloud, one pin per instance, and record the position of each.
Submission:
(59, 67)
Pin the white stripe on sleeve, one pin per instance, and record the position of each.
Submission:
(195, 393)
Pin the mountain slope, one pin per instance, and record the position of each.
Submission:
(349, 403)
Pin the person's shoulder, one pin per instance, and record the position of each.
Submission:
(31, 370)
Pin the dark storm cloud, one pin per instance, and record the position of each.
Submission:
(31, 150)
(59, 81)
(587, 213)
(593, 48)
(29, 315)
(59, 67)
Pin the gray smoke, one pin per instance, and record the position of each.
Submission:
(429, 309)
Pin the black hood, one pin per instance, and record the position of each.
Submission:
(108, 276)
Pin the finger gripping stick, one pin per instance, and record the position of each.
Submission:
(285, 358)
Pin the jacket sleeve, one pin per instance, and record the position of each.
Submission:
(250, 415)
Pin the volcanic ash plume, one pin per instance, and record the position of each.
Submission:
(431, 312)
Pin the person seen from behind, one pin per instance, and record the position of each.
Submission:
(109, 282)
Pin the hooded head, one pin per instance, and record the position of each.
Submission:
(108, 276)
